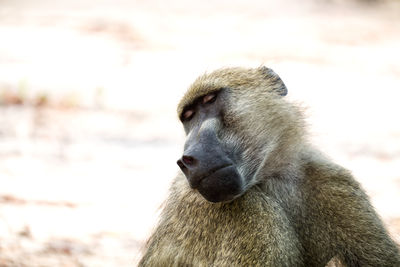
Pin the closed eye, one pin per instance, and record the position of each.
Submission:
(188, 114)
(208, 99)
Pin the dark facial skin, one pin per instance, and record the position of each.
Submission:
(207, 164)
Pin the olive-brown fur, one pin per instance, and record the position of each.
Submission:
(298, 209)
(253, 230)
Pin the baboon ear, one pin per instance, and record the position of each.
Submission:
(277, 83)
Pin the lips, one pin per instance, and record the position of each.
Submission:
(195, 182)
(223, 184)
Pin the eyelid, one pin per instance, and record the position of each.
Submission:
(188, 114)
(209, 98)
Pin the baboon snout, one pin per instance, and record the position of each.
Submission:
(211, 172)
(202, 157)
(187, 165)
(200, 164)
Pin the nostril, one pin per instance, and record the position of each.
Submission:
(183, 167)
(188, 160)
(180, 164)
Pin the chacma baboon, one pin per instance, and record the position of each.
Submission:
(254, 192)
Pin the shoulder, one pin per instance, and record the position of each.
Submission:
(320, 171)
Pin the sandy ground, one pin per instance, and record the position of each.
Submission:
(82, 177)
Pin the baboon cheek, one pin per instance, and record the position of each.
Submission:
(223, 185)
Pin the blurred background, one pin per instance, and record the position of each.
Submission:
(89, 135)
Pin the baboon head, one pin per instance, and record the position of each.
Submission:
(239, 129)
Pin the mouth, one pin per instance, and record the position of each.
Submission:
(211, 172)
(222, 184)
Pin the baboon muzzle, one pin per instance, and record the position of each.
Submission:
(208, 168)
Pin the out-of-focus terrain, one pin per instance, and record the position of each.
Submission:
(88, 132)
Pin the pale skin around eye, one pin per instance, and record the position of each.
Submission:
(206, 99)
(188, 114)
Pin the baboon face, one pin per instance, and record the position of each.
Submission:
(209, 164)
(225, 116)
